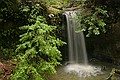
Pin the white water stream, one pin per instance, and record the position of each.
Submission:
(78, 61)
(76, 42)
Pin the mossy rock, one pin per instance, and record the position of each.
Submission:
(115, 76)
(53, 10)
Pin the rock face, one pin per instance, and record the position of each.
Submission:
(106, 46)
(114, 75)
(6, 68)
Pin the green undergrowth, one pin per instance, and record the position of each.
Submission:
(38, 52)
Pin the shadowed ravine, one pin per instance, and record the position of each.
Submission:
(77, 66)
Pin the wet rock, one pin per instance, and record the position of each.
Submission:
(114, 75)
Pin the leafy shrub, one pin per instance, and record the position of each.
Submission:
(37, 53)
(93, 21)
(93, 17)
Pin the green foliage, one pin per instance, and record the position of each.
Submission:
(59, 3)
(7, 35)
(97, 16)
(93, 21)
(7, 9)
(12, 15)
(81, 0)
(38, 53)
(8, 43)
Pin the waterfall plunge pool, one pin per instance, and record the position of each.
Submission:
(100, 71)
(82, 70)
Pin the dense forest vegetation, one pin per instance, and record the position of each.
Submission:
(30, 33)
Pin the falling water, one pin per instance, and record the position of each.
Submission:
(77, 50)
(76, 41)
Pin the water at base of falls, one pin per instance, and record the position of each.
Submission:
(82, 70)
(97, 71)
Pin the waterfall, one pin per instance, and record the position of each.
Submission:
(76, 41)
(77, 50)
